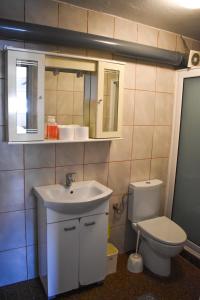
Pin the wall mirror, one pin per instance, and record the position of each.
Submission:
(64, 95)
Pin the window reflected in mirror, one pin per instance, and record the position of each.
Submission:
(110, 100)
(26, 96)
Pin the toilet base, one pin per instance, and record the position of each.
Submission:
(154, 262)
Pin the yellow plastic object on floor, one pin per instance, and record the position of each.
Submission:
(108, 231)
(112, 253)
(111, 249)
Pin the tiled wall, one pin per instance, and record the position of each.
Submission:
(143, 154)
(64, 95)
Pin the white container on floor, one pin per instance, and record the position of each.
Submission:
(81, 133)
(112, 253)
(135, 263)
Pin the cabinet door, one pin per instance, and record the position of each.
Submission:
(63, 256)
(93, 244)
(109, 101)
(25, 95)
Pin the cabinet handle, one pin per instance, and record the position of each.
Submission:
(69, 228)
(90, 223)
(99, 101)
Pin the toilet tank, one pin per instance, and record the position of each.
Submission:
(144, 200)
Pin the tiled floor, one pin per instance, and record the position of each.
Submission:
(184, 284)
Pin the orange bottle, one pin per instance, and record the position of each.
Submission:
(52, 128)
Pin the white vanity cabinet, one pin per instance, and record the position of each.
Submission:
(72, 248)
(93, 240)
(63, 256)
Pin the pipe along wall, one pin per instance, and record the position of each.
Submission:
(39, 33)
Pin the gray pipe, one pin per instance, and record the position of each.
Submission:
(45, 34)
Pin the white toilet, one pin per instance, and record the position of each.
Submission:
(161, 238)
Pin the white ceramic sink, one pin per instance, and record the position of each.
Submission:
(81, 195)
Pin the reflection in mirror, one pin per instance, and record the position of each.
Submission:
(110, 100)
(64, 96)
(26, 96)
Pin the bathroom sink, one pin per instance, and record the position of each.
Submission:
(80, 195)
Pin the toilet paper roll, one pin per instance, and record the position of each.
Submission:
(81, 133)
(66, 132)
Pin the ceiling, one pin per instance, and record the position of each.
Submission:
(164, 14)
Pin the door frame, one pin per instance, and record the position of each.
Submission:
(173, 157)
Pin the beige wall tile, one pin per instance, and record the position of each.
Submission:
(42, 12)
(167, 40)
(100, 23)
(78, 103)
(147, 35)
(130, 238)
(12, 10)
(180, 44)
(99, 54)
(36, 177)
(117, 237)
(78, 120)
(165, 80)
(196, 45)
(125, 30)
(65, 81)
(97, 152)
(119, 176)
(164, 109)
(39, 156)
(12, 156)
(78, 84)
(50, 102)
(144, 108)
(69, 154)
(142, 142)
(50, 81)
(72, 17)
(64, 119)
(71, 50)
(145, 77)
(64, 102)
(114, 218)
(62, 171)
(98, 172)
(161, 141)
(159, 169)
(121, 150)
(41, 47)
(128, 107)
(129, 76)
(140, 170)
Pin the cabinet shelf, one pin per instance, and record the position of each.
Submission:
(65, 141)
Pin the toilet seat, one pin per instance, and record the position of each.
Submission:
(163, 230)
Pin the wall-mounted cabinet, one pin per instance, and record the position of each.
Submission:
(106, 100)
(25, 95)
(73, 89)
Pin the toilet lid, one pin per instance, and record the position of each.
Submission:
(164, 230)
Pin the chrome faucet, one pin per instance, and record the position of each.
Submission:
(69, 179)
